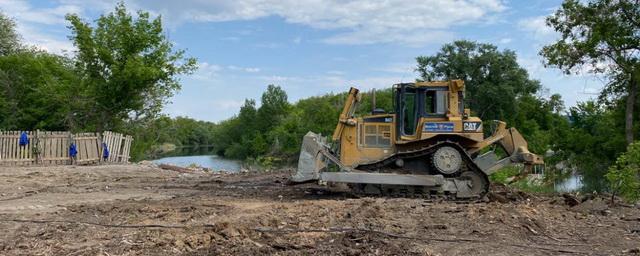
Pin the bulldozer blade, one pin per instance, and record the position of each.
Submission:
(311, 160)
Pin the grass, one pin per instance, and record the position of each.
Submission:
(504, 176)
(533, 187)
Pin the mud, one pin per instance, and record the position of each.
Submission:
(143, 210)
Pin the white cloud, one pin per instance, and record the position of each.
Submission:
(278, 79)
(230, 38)
(28, 19)
(337, 80)
(359, 21)
(591, 90)
(227, 104)
(537, 28)
(44, 41)
(268, 45)
(364, 83)
(414, 38)
(533, 64)
(505, 40)
(23, 12)
(206, 72)
(400, 68)
(245, 69)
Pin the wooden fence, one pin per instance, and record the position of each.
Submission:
(89, 148)
(11, 153)
(118, 146)
(52, 148)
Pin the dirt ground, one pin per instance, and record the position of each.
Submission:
(144, 210)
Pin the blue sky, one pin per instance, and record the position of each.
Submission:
(313, 47)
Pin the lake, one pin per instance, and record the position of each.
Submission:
(202, 156)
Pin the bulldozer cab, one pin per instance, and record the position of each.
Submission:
(431, 107)
(413, 103)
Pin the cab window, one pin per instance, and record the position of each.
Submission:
(409, 113)
(436, 103)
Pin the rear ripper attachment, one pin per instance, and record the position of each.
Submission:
(428, 146)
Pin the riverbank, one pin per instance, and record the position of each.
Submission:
(217, 163)
(211, 162)
(141, 209)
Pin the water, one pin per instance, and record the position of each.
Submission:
(573, 183)
(190, 151)
(202, 156)
(214, 162)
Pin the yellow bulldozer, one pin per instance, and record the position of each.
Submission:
(430, 145)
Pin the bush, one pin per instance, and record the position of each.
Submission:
(504, 174)
(624, 175)
(524, 184)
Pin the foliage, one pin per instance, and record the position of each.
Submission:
(9, 38)
(129, 68)
(384, 101)
(273, 108)
(276, 128)
(497, 88)
(164, 134)
(624, 175)
(600, 36)
(494, 80)
(592, 143)
(502, 176)
(37, 91)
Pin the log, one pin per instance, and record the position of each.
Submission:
(175, 168)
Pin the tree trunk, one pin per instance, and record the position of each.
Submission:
(631, 100)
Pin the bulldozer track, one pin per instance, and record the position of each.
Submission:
(397, 191)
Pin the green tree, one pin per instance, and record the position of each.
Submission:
(624, 175)
(128, 65)
(273, 107)
(236, 136)
(384, 101)
(592, 143)
(159, 135)
(539, 122)
(9, 39)
(601, 36)
(37, 91)
(494, 81)
(273, 110)
(247, 117)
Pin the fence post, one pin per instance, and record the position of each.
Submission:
(37, 151)
(71, 141)
(101, 148)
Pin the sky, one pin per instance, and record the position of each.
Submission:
(313, 47)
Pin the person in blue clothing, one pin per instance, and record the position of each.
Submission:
(24, 139)
(105, 152)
